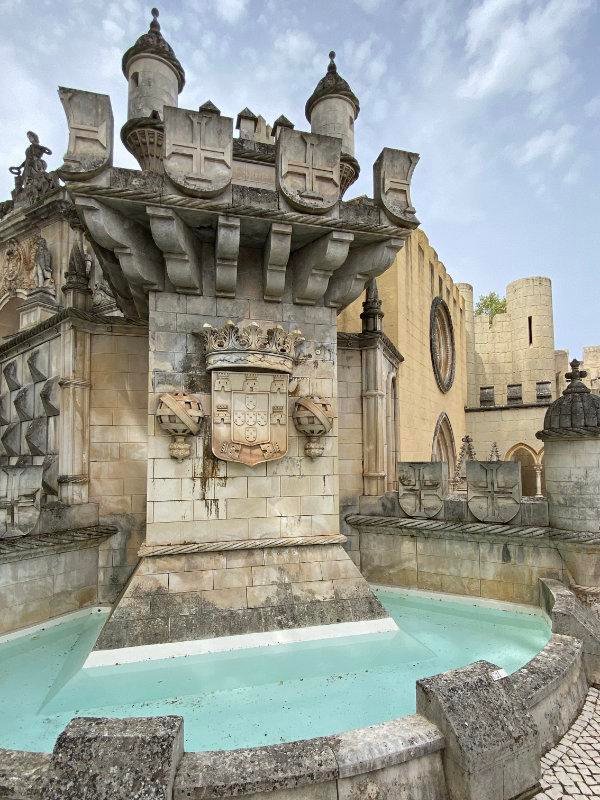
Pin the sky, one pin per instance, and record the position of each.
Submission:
(501, 98)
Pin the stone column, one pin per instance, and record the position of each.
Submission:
(538, 480)
(74, 414)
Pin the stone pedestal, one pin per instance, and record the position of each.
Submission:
(40, 305)
(234, 548)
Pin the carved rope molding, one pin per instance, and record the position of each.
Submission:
(147, 550)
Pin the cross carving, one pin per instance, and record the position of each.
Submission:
(200, 151)
(78, 132)
(398, 186)
(310, 171)
(494, 494)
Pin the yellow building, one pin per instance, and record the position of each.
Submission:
(466, 373)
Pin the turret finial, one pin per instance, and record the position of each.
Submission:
(332, 65)
(155, 24)
(576, 374)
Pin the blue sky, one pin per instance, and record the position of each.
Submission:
(500, 97)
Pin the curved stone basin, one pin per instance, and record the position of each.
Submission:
(261, 696)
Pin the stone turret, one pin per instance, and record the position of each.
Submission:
(155, 79)
(332, 110)
(571, 437)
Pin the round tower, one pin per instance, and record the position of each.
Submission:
(155, 79)
(571, 437)
(332, 110)
(529, 305)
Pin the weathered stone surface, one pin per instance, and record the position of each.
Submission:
(104, 759)
(308, 170)
(571, 617)
(22, 774)
(380, 746)
(492, 748)
(260, 769)
(553, 687)
(90, 120)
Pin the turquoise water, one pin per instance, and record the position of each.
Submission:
(261, 696)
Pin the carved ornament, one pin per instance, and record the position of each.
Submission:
(179, 415)
(249, 416)
(422, 486)
(308, 170)
(314, 418)
(25, 265)
(494, 490)
(251, 347)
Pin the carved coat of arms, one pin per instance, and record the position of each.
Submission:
(393, 171)
(198, 151)
(308, 170)
(422, 486)
(494, 490)
(249, 416)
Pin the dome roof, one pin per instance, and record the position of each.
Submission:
(576, 413)
(331, 84)
(154, 43)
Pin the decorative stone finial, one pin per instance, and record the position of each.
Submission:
(155, 24)
(154, 43)
(372, 314)
(576, 374)
(331, 84)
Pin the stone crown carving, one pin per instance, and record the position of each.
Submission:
(251, 347)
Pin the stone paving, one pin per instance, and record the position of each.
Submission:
(572, 768)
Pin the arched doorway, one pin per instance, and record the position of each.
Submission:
(443, 448)
(532, 477)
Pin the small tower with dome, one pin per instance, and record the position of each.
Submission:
(571, 437)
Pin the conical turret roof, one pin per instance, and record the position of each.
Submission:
(154, 43)
(331, 84)
(576, 413)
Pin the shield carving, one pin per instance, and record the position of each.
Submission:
(392, 174)
(198, 151)
(251, 425)
(308, 170)
(422, 487)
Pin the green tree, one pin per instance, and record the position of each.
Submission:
(491, 304)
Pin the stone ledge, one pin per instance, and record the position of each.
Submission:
(22, 774)
(19, 548)
(460, 530)
(540, 677)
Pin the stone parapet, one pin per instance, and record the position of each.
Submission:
(572, 618)
(502, 562)
(553, 687)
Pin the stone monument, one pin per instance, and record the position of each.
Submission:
(238, 253)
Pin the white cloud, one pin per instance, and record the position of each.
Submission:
(554, 145)
(295, 46)
(519, 45)
(230, 10)
(592, 107)
(369, 6)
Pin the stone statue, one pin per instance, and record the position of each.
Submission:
(32, 180)
(43, 264)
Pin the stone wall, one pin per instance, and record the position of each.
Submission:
(407, 290)
(205, 500)
(506, 427)
(118, 450)
(458, 559)
(43, 584)
(573, 483)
